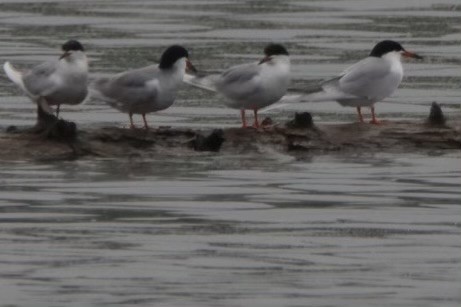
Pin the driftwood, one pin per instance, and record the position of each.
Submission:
(59, 139)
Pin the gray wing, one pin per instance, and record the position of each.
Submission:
(369, 78)
(39, 81)
(240, 81)
(131, 87)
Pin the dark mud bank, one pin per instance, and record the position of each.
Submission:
(299, 137)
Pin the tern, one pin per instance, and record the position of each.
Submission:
(63, 81)
(251, 86)
(148, 89)
(366, 82)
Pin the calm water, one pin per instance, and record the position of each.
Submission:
(260, 229)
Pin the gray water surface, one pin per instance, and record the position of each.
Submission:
(257, 229)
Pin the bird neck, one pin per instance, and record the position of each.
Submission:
(394, 60)
(393, 57)
(281, 63)
(178, 68)
(76, 63)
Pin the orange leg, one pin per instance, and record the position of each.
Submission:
(359, 112)
(256, 122)
(374, 120)
(132, 126)
(242, 115)
(146, 126)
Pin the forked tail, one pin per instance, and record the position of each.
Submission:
(205, 82)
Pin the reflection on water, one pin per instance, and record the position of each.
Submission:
(333, 231)
(223, 230)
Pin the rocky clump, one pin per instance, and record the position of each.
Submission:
(58, 139)
(436, 116)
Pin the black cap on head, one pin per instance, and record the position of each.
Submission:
(384, 47)
(72, 45)
(275, 49)
(171, 55)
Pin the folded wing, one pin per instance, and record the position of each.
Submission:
(240, 82)
(41, 80)
(128, 88)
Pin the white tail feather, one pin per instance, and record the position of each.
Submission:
(286, 100)
(206, 83)
(14, 75)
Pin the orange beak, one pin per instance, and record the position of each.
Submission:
(190, 68)
(409, 54)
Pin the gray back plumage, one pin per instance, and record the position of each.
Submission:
(239, 81)
(127, 90)
(37, 80)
